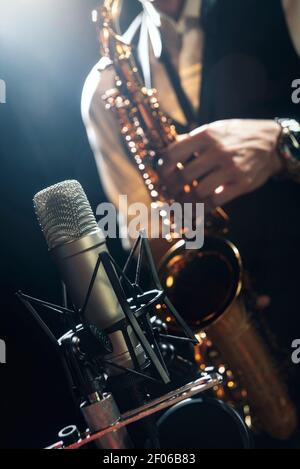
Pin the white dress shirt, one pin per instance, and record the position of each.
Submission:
(183, 40)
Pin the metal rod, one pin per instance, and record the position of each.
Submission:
(46, 304)
(128, 370)
(188, 391)
(91, 286)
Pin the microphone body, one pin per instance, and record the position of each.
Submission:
(75, 242)
(76, 262)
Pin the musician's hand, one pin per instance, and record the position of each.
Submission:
(233, 157)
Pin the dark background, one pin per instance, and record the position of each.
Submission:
(46, 51)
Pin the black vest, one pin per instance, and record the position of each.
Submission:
(249, 65)
(249, 61)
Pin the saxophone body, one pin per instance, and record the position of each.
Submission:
(205, 285)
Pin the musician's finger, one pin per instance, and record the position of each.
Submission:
(213, 184)
(183, 149)
(195, 171)
(225, 193)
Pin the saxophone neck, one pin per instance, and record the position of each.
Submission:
(111, 10)
(111, 44)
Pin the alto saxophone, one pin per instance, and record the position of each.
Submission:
(206, 285)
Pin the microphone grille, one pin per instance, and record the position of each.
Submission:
(64, 213)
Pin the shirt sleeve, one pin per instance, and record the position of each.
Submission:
(292, 14)
(118, 175)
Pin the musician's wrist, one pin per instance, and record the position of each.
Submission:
(278, 163)
(288, 148)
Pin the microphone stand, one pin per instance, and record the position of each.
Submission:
(86, 348)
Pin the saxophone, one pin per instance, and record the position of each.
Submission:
(206, 285)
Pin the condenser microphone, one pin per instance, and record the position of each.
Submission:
(75, 242)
